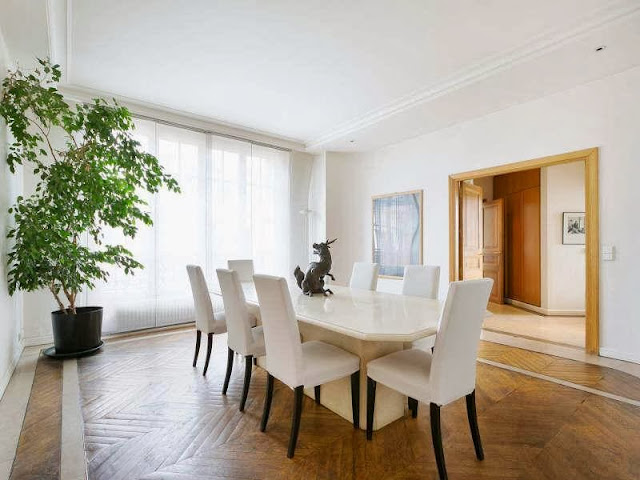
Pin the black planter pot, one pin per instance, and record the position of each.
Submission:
(75, 334)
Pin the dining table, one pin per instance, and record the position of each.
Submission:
(369, 324)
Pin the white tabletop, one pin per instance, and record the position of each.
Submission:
(363, 314)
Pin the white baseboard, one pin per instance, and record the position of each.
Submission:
(625, 356)
(35, 341)
(545, 311)
(6, 376)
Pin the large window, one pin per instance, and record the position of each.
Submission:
(234, 204)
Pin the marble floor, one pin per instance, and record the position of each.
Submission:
(522, 323)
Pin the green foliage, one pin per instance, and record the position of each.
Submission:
(95, 181)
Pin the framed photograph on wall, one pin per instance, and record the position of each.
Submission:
(573, 228)
(397, 231)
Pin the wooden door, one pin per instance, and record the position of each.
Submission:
(493, 247)
(531, 277)
(514, 234)
(471, 231)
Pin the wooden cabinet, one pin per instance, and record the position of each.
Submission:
(521, 192)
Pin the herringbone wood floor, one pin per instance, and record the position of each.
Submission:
(150, 415)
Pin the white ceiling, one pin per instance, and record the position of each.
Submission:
(325, 73)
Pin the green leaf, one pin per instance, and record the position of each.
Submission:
(96, 181)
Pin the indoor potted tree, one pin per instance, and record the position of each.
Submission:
(91, 174)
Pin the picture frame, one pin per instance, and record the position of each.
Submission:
(573, 228)
(397, 231)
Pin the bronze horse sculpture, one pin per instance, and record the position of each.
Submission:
(313, 281)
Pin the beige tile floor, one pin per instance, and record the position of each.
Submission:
(515, 321)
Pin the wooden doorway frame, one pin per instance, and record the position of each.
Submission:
(592, 242)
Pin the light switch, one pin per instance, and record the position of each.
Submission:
(607, 253)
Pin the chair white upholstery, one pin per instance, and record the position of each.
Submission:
(207, 321)
(422, 281)
(242, 338)
(243, 267)
(446, 375)
(294, 363)
(364, 276)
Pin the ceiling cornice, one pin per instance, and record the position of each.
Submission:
(82, 94)
(540, 45)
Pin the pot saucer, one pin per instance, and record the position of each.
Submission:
(51, 352)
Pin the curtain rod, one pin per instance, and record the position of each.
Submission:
(209, 132)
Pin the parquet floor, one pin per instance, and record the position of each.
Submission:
(150, 415)
(592, 376)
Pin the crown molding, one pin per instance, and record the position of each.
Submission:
(489, 67)
(78, 93)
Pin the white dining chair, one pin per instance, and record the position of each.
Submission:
(242, 337)
(297, 364)
(364, 276)
(445, 376)
(243, 267)
(422, 281)
(207, 321)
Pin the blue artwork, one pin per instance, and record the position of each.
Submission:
(397, 231)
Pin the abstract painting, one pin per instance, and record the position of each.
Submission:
(397, 231)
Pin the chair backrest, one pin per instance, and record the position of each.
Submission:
(281, 333)
(235, 308)
(201, 298)
(364, 275)
(421, 281)
(453, 368)
(243, 267)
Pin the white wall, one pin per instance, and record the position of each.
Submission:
(487, 187)
(603, 114)
(317, 215)
(563, 266)
(10, 314)
(301, 167)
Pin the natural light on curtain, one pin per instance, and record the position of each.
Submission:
(234, 204)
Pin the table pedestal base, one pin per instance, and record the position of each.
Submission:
(336, 396)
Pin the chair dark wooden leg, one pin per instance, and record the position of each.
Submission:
(355, 398)
(316, 394)
(248, 367)
(436, 436)
(473, 424)
(295, 420)
(227, 375)
(255, 361)
(413, 406)
(198, 338)
(267, 403)
(371, 404)
(209, 346)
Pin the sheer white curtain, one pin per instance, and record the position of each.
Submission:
(234, 204)
(250, 205)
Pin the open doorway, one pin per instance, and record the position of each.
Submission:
(532, 227)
